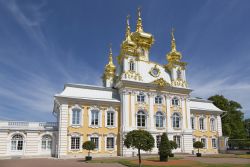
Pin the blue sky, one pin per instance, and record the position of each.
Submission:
(45, 44)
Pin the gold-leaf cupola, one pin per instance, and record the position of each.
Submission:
(173, 55)
(142, 39)
(128, 46)
(110, 68)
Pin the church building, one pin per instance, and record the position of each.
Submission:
(136, 94)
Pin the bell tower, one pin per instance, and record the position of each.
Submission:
(175, 66)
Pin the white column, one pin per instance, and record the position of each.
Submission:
(62, 130)
(219, 128)
(188, 113)
(132, 102)
(168, 118)
(184, 113)
(125, 110)
(151, 111)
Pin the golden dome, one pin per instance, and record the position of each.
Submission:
(173, 55)
(110, 67)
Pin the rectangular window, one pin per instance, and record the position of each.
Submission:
(110, 118)
(214, 144)
(177, 139)
(192, 122)
(158, 140)
(44, 144)
(110, 143)
(20, 145)
(75, 143)
(96, 142)
(204, 142)
(201, 121)
(75, 117)
(94, 118)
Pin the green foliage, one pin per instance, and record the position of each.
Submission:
(232, 120)
(173, 144)
(198, 145)
(88, 145)
(165, 147)
(139, 139)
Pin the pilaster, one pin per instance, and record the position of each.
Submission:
(62, 130)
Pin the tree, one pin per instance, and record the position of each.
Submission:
(88, 145)
(139, 139)
(232, 120)
(164, 147)
(173, 145)
(198, 145)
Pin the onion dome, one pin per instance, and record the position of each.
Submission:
(173, 55)
(110, 67)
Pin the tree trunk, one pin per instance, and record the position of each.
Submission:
(139, 154)
(198, 150)
(89, 153)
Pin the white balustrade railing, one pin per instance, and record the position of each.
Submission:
(28, 125)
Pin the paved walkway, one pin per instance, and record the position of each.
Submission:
(42, 162)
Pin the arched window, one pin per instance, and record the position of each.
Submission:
(202, 124)
(141, 119)
(175, 101)
(46, 142)
(17, 142)
(131, 66)
(110, 118)
(95, 118)
(212, 124)
(158, 100)
(178, 74)
(159, 119)
(176, 120)
(76, 112)
(141, 97)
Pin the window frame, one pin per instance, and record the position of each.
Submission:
(159, 118)
(202, 125)
(177, 138)
(212, 126)
(192, 120)
(158, 140)
(214, 141)
(113, 144)
(95, 116)
(158, 100)
(17, 141)
(46, 140)
(77, 142)
(72, 123)
(175, 101)
(205, 142)
(109, 117)
(97, 144)
(131, 65)
(139, 117)
(141, 97)
(174, 121)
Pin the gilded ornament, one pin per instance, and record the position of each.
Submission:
(161, 82)
(110, 68)
(155, 71)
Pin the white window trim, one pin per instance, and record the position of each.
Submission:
(110, 109)
(216, 142)
(206, 142)
(71, 115)
(146, 119)
(105, 142)
(145, 98)
(194, 118)
(162, 100)
(10, 143)
(99, 117)
(180, 121)
(179, 101)
(75, 134)
(205, 123)
(215, 124)
(164, 120)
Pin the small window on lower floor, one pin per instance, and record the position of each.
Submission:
(214, 143)
(75, 143)
(177, 139)
(96, 142)
(110, 143)
(158, 140)
(204, 142)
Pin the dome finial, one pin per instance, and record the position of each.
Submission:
(110, 54)
(173, 44)
(128, 27)
(139, 27)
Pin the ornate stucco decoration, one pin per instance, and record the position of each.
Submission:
(179, 83)
(155, 71)
(161, 82)
(132, 75)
